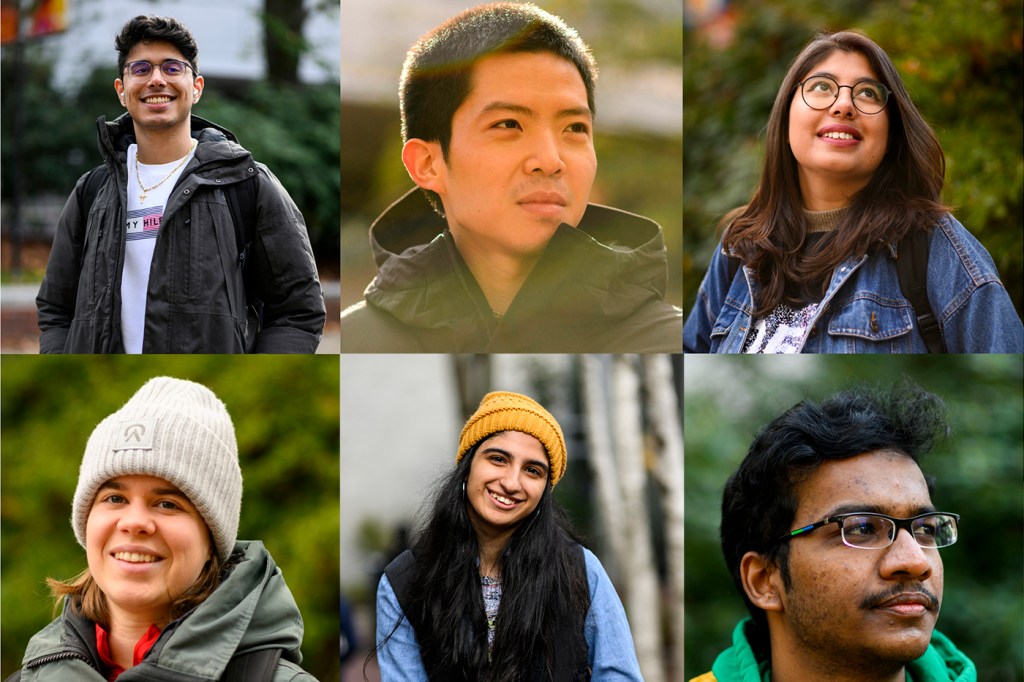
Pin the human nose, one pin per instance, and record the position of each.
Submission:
(510, 480)
(136, 519)
(843, 106)
(545, 156)
(906, 558)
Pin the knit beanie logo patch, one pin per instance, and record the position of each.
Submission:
(135, 434)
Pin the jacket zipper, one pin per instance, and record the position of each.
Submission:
(64, 655)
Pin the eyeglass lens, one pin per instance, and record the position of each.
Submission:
(821, 92)
(872, 532)
(171, 68)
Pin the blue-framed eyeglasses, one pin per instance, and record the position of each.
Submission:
(864, 530)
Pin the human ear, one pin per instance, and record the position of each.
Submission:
(119, 89)
(197, 88)
(761, 581)
(425, 164)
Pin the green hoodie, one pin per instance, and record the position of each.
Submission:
(251, 610)
(941, 662)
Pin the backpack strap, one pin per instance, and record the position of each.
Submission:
(254, 666)
(912, 268)
(88, 190)
(400, 574)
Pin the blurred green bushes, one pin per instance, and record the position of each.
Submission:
(961, 62)
(978, 474)
(285, 412)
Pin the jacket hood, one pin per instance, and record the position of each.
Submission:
(941, 661)
(252, 609)
(608, 266)
(217, 143)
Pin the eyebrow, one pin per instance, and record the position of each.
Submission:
(534, 462)
(874, 509)
(527, 111)
(859, 79)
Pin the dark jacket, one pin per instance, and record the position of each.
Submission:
(196, 300)
(596, 288)
(252, 609)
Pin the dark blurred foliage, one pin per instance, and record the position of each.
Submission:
(285, 412)
(978, 473)
(961, 63)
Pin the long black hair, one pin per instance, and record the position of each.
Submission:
(541, 582)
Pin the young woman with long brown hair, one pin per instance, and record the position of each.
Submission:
(852, 182)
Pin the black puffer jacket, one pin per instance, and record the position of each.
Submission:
(596, 288)
(196, 299)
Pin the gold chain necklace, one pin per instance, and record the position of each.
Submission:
(138, 175)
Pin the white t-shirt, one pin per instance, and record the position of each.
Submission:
(141, 229)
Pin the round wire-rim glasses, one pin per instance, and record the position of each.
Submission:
(868, 530)
(171, 68)
(820, 92)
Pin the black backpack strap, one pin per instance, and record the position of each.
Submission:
(912, 267)
(88, 190)
(400, 574)
(254, 666)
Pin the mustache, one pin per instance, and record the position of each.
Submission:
(882, 596)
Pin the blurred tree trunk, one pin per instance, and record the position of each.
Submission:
(602, 458)
(611, 389)
(644, 603)
(665, 417)
(283, 43)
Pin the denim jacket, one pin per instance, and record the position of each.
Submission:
(864, 310)
(609, 640)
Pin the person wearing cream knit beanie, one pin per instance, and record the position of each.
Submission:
(176, 430)
(498, 557)
(170, 593)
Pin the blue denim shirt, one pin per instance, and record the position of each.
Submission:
(609, 641)
(864, 310)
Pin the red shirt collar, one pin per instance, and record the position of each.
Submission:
(142, 648)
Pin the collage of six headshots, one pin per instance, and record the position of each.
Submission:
(463, 374)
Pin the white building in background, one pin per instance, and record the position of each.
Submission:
(229, 35)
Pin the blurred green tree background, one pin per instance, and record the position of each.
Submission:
(961, 63)
(978, 473)
(285, 412)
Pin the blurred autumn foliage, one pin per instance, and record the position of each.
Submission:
(961, 62)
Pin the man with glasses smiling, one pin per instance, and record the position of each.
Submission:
(832, 540)
(181, 242)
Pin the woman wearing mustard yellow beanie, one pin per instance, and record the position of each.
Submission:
(496, 585)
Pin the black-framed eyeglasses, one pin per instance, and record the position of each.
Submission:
(171, 68)
(821, 92)
(863, 530)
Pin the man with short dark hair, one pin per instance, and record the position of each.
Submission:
(832, 540)
(181, 242)
(497, 111)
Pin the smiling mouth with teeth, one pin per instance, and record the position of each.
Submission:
(839, 136)
(135, 558)
(503, 500)
(156, 100)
